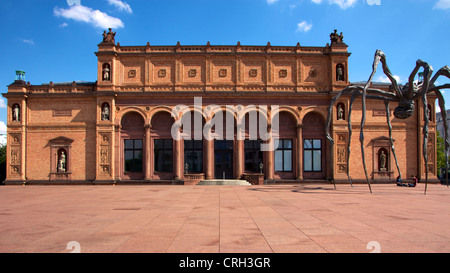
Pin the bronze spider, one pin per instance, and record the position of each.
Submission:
(405, 96)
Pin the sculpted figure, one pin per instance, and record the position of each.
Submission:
(105, 112)
(62, 163)
(16, 113)
(109, 37)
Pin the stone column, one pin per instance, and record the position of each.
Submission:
(147, 152)
(270, 170)
(177, 156)
(299, 152)
(239, 155)
(209, 152)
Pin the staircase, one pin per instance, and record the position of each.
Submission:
(226, 182)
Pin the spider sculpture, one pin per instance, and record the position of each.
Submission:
(405, 96)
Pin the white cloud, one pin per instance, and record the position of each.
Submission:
(64, 25)
(2, 103)
(85, 14)
(343, 4)
(270, 2)
(2, 127)
(304, 26)
(122, 6)
(28, 41)
(385, 79)
(442, 4)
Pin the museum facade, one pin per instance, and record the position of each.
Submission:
(184, 114)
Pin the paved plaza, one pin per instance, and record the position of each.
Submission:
(225, 219)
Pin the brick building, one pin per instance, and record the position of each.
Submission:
(121, 127)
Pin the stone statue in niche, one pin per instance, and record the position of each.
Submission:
(339, 73)
(16, 113)
(62, 162)
(340, 112)
(382, 161)
(105, 112)
(106, 72)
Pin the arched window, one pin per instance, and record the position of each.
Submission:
(16, 112)
(106, 72)
(340, 111)
(340, 74)
(132, 135)
(163, 145)
(314, 146)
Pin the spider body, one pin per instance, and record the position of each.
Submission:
(405, 109)
(405, 96)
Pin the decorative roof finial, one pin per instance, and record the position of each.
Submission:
(20, 75)
(109, 37)
(336, 38)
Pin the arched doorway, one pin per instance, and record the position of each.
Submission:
(132, 141)
(163, 146)
(193, 144)
(285, 157)
(314, 147)
(223, 131)
(253, 138)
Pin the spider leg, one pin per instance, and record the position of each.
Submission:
(446, 142)
(354, 95)
(361, 136)
(381, 57)
(425, 139)
(356, 91)
(329, 117)
(445, 71)
(427, 71)
(390, 138)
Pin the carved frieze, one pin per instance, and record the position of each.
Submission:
(222, 73)
(162, 73)
(283, 73)
(192, 73)
(253, 73)
(341, 152)
(132, 73)
(104, 154)
(15, 156)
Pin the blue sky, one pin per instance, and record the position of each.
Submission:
(55, 40)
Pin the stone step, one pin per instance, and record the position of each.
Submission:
(228, 182)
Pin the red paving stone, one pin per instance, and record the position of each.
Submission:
(224, 219)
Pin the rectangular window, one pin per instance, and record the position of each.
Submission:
(283, 156)
(163, 155)
(133, 155)
(312, 155)
(253, 155)
(193, 155)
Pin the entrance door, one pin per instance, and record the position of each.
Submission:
(223, 159)
(314, 147)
